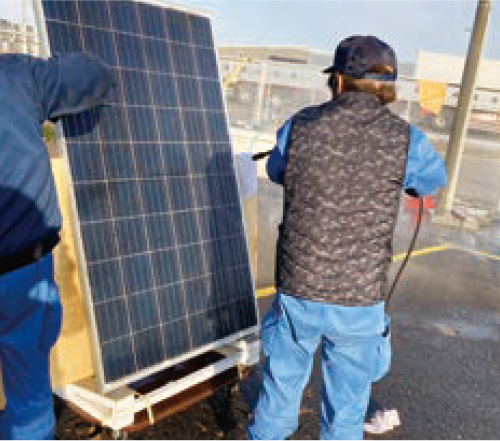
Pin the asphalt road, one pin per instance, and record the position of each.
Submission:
(479, 175)
(445, 375)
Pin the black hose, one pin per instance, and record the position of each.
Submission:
(410, 250)
(411, 192)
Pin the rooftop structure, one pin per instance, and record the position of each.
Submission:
(18, 38)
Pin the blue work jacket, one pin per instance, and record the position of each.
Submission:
(33, 90)
(425, 170)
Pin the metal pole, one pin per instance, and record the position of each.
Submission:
(459, 129)
(24, 29)
(261, 96)
(41, 31)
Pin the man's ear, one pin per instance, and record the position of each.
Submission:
(339, 82)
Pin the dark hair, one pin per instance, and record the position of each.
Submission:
(385, 91)
(332, 82)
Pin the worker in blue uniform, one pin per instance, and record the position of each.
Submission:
(33, 90)
(343, 165)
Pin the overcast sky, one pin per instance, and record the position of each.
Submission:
(409, 25)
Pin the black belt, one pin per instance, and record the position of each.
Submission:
(29, 255)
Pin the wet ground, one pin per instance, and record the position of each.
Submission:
(479, 173)
(445, 376)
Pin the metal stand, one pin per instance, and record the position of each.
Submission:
(139, 405)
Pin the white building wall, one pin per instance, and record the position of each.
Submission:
(447, 68)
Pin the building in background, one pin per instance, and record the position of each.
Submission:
(18, 38)
(447, 70)
(266, 84)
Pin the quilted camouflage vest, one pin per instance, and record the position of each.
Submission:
(342, 185)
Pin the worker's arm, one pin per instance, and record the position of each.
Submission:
(425, 170)
(70, 83)
(276, 163)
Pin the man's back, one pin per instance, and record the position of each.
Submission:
(345, 168)
(31, 91)
(28, 201)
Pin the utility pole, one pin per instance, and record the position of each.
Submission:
(458, 132)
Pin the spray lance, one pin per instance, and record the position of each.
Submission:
(410, 192)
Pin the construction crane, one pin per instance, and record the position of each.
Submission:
(235, 72)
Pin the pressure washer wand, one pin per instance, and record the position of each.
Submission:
(261, 155)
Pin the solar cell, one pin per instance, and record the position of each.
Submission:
(154, 182)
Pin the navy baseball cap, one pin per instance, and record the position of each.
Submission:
(356, 55)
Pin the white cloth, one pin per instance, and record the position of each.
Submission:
(247, 174)
(382, 421)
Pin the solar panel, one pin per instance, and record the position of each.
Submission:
(155, 187)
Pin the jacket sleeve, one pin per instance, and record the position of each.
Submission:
(425, 170)
(70, 83)
(276, 164)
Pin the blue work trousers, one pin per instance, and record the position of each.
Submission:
(355, 352)
(30, 322)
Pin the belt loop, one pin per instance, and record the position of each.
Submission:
(28, 255)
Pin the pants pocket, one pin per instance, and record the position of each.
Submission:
(270, 326)
(51, 324)
(384, 355)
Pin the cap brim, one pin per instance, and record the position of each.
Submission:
(330, 69)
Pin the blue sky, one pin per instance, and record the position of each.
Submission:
(440, 26)
(409, 25)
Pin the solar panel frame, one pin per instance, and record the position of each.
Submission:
(82, 260)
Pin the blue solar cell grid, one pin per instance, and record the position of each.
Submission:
(155, 187)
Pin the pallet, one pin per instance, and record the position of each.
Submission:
(139, 405)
